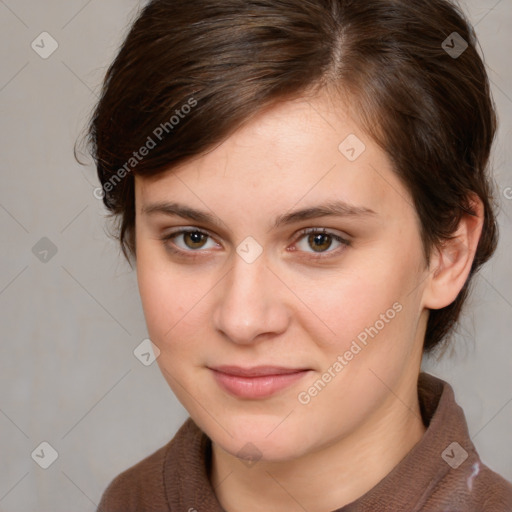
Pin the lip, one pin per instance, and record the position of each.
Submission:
(256, 382)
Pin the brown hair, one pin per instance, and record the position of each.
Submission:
(190, 73)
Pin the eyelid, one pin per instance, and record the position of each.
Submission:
(322, 230)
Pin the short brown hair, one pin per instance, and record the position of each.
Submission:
(429, 108)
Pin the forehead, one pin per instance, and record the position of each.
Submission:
(301, 151)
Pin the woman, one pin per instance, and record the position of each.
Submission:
(303, 187)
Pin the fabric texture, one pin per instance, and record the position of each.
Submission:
(435, 476)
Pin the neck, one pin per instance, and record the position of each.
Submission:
(328, 478)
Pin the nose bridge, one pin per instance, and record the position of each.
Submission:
(248, 305)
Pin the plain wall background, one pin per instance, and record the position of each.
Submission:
(70, 324)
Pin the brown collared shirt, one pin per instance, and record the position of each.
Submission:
(441, 473)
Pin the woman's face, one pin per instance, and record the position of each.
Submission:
(337, 311)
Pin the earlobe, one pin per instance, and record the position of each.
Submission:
(451, 262)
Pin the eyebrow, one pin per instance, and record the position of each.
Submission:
(330, 209)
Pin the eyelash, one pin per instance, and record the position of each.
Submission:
(305, 232)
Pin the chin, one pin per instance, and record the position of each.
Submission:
(261, 437)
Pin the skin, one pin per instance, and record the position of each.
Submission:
(208, 306)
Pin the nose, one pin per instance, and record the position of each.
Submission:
(250, 305)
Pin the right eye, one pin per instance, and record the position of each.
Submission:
(188, 240)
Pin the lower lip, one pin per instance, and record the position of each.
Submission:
(256, 387)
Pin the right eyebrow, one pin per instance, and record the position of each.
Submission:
(179, 210)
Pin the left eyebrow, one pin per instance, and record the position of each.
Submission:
(332, 209)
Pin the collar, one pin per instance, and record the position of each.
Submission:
(407, 487)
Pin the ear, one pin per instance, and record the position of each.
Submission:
(451, 263)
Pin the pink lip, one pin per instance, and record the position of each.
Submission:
(256, 382)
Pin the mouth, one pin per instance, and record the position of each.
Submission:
(257, 382)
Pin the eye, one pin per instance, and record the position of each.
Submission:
(320, 241)
(315, 241)
(189, 240)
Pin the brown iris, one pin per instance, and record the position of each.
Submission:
(320, 241)
(197, 239)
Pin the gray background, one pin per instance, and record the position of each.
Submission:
(70, 324)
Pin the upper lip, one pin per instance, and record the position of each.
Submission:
(256, 371)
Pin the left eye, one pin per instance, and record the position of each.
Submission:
(320, 241)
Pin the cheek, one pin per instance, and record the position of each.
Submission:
(161, 302)
(345, 303)
(174, 302)
(371, 302)
(165, 304)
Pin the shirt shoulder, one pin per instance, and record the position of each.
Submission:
(173, 478)
(492, 492)
(471, 488)
(140, 487)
